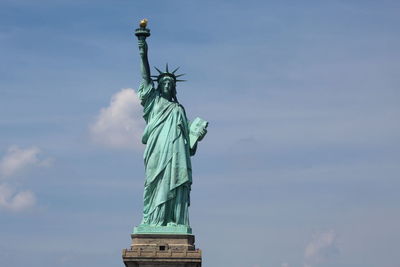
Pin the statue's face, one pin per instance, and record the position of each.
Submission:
(166, 87)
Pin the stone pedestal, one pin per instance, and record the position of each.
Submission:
(162, 250)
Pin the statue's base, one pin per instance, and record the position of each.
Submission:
(162, 250)
(172, 229)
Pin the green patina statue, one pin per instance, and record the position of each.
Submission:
(170, 140)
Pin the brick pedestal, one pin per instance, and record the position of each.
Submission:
(162, 250)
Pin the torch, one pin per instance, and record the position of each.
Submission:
(142, 32)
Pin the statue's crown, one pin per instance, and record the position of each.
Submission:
(161, 75)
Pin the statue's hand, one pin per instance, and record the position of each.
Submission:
(142, 47)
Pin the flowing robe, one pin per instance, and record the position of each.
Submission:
(167, 160)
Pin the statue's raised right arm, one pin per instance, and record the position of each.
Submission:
(145, 67)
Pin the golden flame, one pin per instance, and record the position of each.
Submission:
(143, 23)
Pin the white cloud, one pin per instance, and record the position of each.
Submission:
(16, 201)
(18, 159)
(321, 248)
(120, 125)
(13, 162)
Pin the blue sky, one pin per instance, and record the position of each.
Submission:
(300, 167)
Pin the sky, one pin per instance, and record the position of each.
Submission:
(301, 163)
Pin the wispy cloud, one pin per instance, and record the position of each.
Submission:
(321, 248)
(120, 124)
(18, 159)
(13, 162)
(12, 200)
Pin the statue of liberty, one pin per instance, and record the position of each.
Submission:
(171, 139)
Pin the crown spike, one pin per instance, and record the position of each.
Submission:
(180, 75)
(166, 68)
(159, 71)
(181, 80)
(173, 72)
